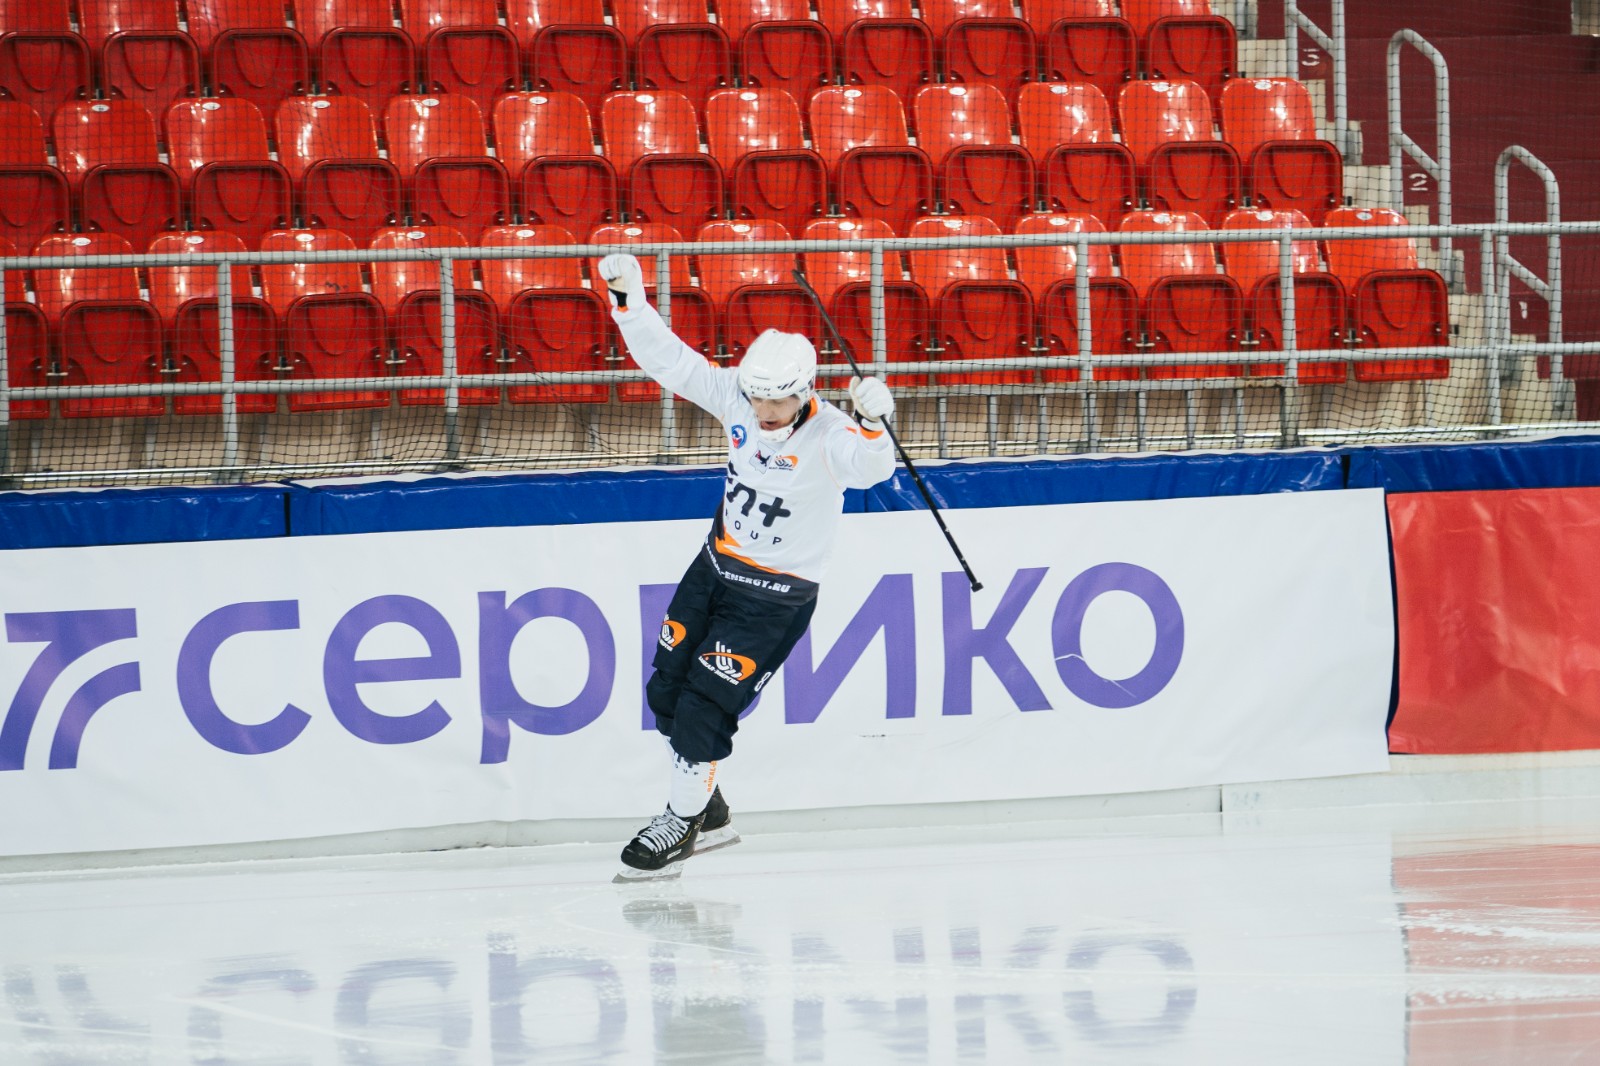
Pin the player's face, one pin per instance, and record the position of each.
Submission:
(775, 414)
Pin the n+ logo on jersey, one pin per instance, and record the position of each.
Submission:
(738, 434)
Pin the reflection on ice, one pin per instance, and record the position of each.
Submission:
(1378, 936)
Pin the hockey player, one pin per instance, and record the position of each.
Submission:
(749, 593)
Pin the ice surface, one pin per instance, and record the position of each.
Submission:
(1457, 933)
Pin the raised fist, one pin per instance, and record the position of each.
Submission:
(871, 400)
(624, 280)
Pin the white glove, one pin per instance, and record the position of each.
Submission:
(871, 400)
(624, 280)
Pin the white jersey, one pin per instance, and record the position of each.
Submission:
(780, 509)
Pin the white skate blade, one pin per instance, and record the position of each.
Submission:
(629, 876)
(726, 837)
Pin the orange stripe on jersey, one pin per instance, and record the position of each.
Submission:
(725, 545)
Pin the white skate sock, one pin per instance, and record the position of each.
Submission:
(692, 783)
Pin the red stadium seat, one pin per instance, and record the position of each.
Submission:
(1084, 41)
(1168, 127)
(1319, 300)
(1082, 170)
(330, 148)
(462, 49)
(1143, 14)
(675, 46)
(219, 150)
(437, 144)
(27, 341)
(693, 315)
(551, 323)
(250, 51)
(966, 130)
(1271, 123)
(330, 327)
(105, 334)
(755, 291)
(778, 45)
(143, 56)
(844, 281)
(1050, 273)
(409, 292)
(1393, 301)
(879, 42)
(1183, 40)
(568, 47)
(653, 140)
(186, 297)
(1188, 306)
(34, 197)
(860, 132)
(547, 145)
(979, 312)
(358, 50)
(757, 139)
(42, 62)
(107, 149)
(980, 42)
(28, 357)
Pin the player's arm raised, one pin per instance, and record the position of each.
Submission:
(658, 351)
(865, 457)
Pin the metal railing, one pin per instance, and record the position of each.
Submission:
(1331, 41)
(1436, 166)
(1088, 389)
(1506, 265)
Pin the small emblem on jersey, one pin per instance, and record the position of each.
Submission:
(671, 634)
(726, 665)
(738, 433)
(777, 462)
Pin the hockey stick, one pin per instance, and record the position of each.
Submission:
(833, 331)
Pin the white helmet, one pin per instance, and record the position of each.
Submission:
(777, 365)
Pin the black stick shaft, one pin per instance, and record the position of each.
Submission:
(927, 497)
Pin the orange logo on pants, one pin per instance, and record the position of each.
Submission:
(726, 665)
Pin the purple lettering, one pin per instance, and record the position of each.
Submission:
(889, 608)
(963, 642)
(194, 678)
(502, 705)
(342, 671)
(67, 636)
(1066, 635)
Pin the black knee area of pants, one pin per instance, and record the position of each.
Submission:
(702, 731)
(661, 692)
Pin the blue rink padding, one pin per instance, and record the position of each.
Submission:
(655, 495)
(504, 500)
(1561, 463)
(154, 515)
(1101, 480)
(74, 518)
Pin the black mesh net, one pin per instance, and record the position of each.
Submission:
(1026, 216)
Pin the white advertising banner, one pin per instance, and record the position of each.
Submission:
(179, 694)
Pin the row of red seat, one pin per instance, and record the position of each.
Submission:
(318, 321)
(1167, 298)
(654, 170)
(249, 48)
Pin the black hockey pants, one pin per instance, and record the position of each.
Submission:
(718, 646)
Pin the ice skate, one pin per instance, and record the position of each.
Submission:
(716, 826)
(658, 851)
